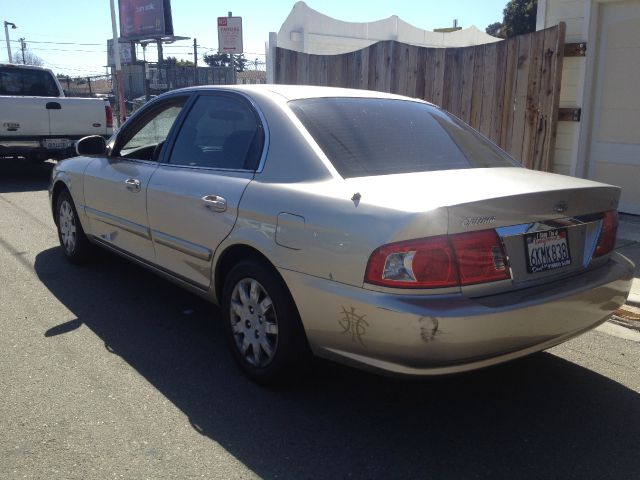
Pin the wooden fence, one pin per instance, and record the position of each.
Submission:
(507, 90)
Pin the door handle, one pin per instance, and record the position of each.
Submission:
(215, 203)
(133, 184)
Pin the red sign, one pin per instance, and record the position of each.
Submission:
(230, 34)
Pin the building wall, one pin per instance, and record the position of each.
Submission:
(251, 77)
(574, 14)
(605, 144)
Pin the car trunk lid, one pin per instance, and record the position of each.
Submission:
(511, 195)
(534, 214)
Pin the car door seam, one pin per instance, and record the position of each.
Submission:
(181, 245)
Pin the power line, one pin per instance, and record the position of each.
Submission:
(75, 69)
(38, 49)
(63, 43)
(29, 34)
(91, 44)
(152, 45)
(176, 50)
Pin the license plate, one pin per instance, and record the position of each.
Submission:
(547, 250)
(56, 143)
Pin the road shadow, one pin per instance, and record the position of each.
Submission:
(539, 417)
(20, 175)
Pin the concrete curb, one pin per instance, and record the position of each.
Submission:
(629, 245)
(619, 331)
(633, 300)
(629, 227)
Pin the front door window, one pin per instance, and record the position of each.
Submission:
(146, 137)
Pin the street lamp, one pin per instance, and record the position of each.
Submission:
(6, 34)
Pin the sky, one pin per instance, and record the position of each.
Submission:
(70, 35)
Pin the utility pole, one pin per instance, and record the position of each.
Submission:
(161, 77)
(144, 44)
(6, 36)
(195, 61)
(160, 53)
(23, 47)
(122, 112)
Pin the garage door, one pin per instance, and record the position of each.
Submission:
(614, 153)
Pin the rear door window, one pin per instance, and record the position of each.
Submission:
(371, 136)
(27, 82)
(220, 131)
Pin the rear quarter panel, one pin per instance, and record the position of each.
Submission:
(320, 228)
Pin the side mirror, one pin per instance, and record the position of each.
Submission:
(92, 145)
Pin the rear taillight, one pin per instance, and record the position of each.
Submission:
(108, 111)
(422, 263)
(436, 262)
(480, 257)
(607, 239)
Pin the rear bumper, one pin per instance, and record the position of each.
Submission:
(428, 335)
(32, 147)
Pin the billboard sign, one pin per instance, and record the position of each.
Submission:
(144, 19)
(125, 53)
(230, 35)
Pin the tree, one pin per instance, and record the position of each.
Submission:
(240, 62)
(217, 60)
(224, 60)
(180, 63)
(30, 58)
(519, 16)
(495, 29)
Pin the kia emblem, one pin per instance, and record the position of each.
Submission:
(561, 206)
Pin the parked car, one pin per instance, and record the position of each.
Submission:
(37, 122)
(368, 228)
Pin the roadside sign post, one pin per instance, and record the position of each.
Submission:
(230, 34)
(230, 38)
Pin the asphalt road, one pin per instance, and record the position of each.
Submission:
(110, 372)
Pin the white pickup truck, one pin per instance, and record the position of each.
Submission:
(38, 122)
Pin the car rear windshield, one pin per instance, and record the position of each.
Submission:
(27, 82)
(372, 136)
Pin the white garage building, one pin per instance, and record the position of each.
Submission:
(605, 144)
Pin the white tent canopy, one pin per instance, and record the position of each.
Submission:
(309, 31)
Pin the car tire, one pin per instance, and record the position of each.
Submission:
(74, 242)
(262, 324)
